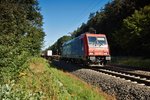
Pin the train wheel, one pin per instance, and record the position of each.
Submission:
(103, 63)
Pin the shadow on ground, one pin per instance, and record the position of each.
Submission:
(69, 67)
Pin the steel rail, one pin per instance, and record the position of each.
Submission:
(134, 78)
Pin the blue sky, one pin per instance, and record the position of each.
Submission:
(63, 16)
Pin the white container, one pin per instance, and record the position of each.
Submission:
(49, 52)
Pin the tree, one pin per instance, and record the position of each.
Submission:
(135, 33)
(56, 47)
(110, 19)
(21, 33)
(91, 15)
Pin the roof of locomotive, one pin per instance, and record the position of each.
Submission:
(87, 34)
(69, 41)
(91, 34)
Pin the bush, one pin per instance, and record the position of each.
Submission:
(43, 82)
(21, 35)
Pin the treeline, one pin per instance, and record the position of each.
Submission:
(56, 47)
(126, 24)
(21, 34)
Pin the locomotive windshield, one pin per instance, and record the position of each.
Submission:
(97, 41)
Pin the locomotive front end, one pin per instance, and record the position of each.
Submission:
(98, 49)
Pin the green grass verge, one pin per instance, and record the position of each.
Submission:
(43, 82)
(131, 61)
(73, 88)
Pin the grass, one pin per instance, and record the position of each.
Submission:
(132, 61)
(41, 81)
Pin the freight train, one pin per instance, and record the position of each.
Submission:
(89, 48)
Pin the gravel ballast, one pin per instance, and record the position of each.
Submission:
(136, 71)
(122, 89)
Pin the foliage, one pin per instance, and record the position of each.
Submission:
(110, 20)
(41, 81)
(72, 88)
(135, 33)
(21, 34)
(132, 62)
(8, 93)
(56, 47)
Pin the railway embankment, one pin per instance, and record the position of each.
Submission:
(41, 81)
(122, 88)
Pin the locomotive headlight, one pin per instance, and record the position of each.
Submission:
(91, 53)
(105, 53)
(108, 58)
(92, 58)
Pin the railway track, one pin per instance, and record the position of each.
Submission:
(133, 77)
(123, 90)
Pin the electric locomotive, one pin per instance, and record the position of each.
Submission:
(88, 48)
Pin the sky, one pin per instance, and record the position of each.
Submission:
(60, 17)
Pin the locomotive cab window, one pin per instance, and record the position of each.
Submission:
(101, 40)
(92, 40)
(96, 41)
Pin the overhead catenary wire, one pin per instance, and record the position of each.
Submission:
(83, 12)
(91, 6)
